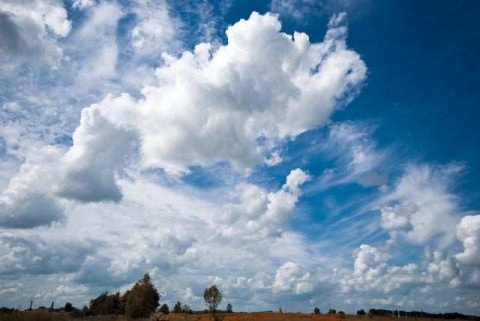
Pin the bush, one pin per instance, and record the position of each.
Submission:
(164, 309)
(106, 304)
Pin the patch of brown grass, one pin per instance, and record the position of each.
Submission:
(56, 316)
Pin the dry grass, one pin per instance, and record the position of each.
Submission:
(55, 316)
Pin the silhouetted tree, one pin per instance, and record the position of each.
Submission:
(332, 311)
(68, 307)
(164, 309)
(316, 310)
(98, 305)
(229, 308)
(361, 312)
(186, 309)
(142, 299)
(212, 297)
(177, 308)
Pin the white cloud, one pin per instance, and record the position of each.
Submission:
(30, 254)
(100, 148)
(169, 231)
(155, 30)
(468, 232)
(372, 273)
(442, 269)
(83, 4)
(30, 29)
(297, 9)
(421, 206)
(357, 157)
(28, 201)
(214, 106)
(258, 213)
(370, 263)
(236, 103)
(210, 106)
(293, 277)
(301, 10)
(398, 217)
(99, 51)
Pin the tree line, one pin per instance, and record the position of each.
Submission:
(144, 299)
(418, 314)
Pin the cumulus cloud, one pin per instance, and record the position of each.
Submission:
(233, 103)
(214, 106)
(29, 30)
(421, 206)
(293, 277)
(28, 201)
(468, 232)
(36, 254)
(398, 217)
(171, 233)
(371, 272)
(442, 269)
(99, 149)
(370, 263)
(259, 213)
(419, 209)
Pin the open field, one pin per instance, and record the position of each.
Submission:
(48, 316)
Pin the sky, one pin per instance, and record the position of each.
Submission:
(296, 153)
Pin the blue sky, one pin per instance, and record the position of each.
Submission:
(297, 153)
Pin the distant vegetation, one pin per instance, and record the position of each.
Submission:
(143, 301)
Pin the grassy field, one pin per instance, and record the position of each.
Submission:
(48, 316)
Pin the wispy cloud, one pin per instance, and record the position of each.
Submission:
(302, 10)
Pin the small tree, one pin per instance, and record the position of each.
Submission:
(361, 312)
(229, 308)
(316, 310)
(177, 308)
(142, 299)
(164, 309)
(186, 309)
(68, 307)
(212, 297)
